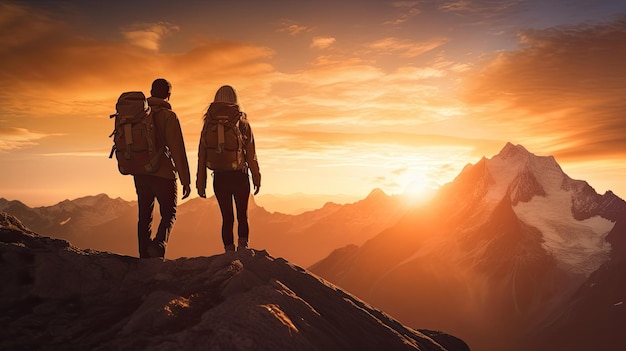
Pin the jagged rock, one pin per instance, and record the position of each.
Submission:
(57, 297)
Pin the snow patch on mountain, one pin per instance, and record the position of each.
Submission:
(580, 246)
(545, 202)
(514, 161)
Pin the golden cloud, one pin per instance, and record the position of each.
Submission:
(565, 88)
(405, 48)
(17, 138)
(148, 35)
(322, 42)
(61, 73)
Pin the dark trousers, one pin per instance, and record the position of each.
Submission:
(164, 191)
(228, 186)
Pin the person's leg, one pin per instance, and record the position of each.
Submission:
(224, 196)
(242, 195)
(145, 200)
(166, 193)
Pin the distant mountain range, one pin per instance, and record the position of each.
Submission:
(511, 255)
(298, 203)
(101, 223)
(55, 296)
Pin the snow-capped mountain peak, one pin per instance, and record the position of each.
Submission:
(522, 175)
(542, 197)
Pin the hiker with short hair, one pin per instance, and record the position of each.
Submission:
(161, 184)
(227, 148)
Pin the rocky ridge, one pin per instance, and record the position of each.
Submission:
(55, 296)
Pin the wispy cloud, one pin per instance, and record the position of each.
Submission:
(460, 5)
(20, 27)
(322, 42)
(148, 35)
(68, 74)
(485, 7)
(293, 28)
(564, 88)
(405, 47)
(408, 10)
(18, 138)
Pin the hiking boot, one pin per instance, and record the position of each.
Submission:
(156, 249)
(242, 244)
(229, 248)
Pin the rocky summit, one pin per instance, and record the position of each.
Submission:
(55, 296)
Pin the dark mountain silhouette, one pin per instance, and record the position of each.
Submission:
(55, 296)
(101, 223)
(512, 253)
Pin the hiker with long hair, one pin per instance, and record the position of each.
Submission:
(227, 148)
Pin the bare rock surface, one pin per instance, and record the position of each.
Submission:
(57, 297)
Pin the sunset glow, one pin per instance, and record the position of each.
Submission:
(396, 95)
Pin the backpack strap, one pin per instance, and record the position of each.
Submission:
(221, 121)
(128, 137)
(160, 140)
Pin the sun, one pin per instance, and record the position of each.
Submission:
(419, 191)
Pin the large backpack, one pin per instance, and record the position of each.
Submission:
(136, 144)
(222, 138)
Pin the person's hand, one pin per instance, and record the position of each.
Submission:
(256, 189)
(186, 191)
(202, 193)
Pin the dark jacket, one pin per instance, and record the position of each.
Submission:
(169, 130)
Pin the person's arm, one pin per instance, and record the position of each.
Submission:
(252, 161)
(201, 176)
(176, 144)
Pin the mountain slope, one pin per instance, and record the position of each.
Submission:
(594, 318)
(55, 296)
(99, 222)
(506, 245)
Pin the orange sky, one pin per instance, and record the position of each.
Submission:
(343, 97)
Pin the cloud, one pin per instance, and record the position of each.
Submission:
(19, 27)
(18, 138)
(322, 42)
(293, 28)
(399, 171)
(409, 10)
(148, 35)
(564, 89)
(486, 8)
(460, 5)
(395, 144)
(404, 47)
(55, 72)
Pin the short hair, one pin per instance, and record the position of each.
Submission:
(161, 88)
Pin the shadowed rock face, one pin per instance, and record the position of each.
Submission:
(55, 296)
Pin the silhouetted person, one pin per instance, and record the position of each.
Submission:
(161, 185)
(230, 156)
